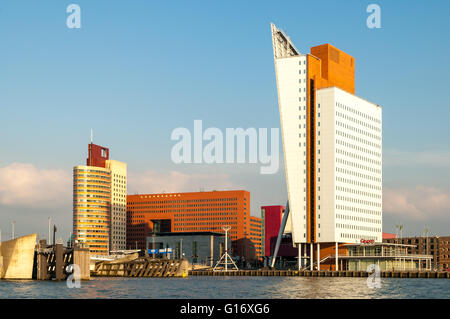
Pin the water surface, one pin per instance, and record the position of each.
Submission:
(230, 288)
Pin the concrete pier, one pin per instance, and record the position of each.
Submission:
(141, 267)
(16, 257)
(57, 262)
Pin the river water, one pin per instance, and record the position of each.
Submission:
(230, 288)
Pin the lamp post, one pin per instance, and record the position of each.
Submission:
(153, 243)
(226, 229)
(181, 248)
(396, 233)
(49, 230)
(425, 231)
(245, 247)
(12, 225)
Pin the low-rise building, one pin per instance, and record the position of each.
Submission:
(437, 246)
(203, 248)
(388, 257)
(195, 212)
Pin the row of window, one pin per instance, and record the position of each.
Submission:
(91, 181)
(92, 206)
(356, 121)
(79, 197)
(357, 201)
(358, 210)
(358, 157)
(357, 192)
(358, 139)
(87, 227)
(358, 148)
(186, 200)
(358, 219)
(356, 174)
(91, 186)
(358, 227)
(359, 113)
(91, 216)
(183, 206)
(89, 211)
(357, 130)
(89, 174)
(90, 190)
(357, 165)
(358, 236)
(356, 183)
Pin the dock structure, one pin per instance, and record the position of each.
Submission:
(324, 273)
(16, 257)
(56, 262)
(141, 267)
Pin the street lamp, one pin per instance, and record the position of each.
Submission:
(425, 231)
(245, 247)
(153, 243)
(49, 230)
(181, 248)
(226, 229)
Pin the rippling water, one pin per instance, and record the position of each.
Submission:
(230, 288)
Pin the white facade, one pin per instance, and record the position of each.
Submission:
(118, 227)
(292, 99)
(348, 167)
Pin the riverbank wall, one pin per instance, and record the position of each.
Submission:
(326, 273)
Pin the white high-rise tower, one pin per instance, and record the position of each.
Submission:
(332, 142)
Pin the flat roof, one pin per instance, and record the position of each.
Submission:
(148, 195)
(194, 233)
(379, 244)
(344, 91)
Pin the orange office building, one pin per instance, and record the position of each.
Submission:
(195, 212)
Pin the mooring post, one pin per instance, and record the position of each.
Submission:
(42, 266)
(59, 263)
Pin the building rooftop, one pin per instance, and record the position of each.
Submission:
(195, 233)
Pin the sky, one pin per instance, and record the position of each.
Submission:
(137, 70)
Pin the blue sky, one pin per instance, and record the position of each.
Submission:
(137, 70)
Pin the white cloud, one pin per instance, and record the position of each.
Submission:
(25, 185)
(406, 158)
(420, 203)
(174, 181)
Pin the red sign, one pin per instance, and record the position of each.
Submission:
(367, 241)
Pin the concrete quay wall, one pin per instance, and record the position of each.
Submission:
(307, 273)
(16, 257)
